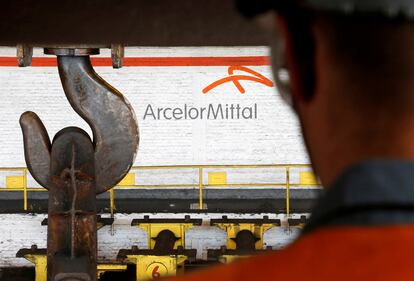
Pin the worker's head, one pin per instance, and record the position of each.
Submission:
(350, 76)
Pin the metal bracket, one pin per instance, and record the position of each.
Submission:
(24, 55)
(176, 226)
(234, 227)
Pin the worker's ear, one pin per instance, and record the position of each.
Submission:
(292, 69)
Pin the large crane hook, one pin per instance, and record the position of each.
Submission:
(105, 109)
(73, 168)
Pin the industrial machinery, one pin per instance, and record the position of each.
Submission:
(166, 255)
(244, 237)
(73, 168)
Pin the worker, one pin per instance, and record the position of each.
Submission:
(347, 69)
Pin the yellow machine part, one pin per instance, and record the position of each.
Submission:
(155, 267)
(233, 228)
(40, 262)
(153, 229)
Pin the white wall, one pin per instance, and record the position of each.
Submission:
(273, 137)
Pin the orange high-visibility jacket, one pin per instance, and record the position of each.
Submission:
(334, 254)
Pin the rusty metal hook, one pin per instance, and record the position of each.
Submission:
(74, 169)
(108, 113)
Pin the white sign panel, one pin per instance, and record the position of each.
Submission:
(193, 105)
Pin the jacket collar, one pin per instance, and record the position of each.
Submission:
(370, 193)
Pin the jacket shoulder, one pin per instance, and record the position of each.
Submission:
(342, 253)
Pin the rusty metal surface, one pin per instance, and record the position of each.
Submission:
(117, 55)
(129, 22)
(36, 147)
(108, 113)
(72, 234)
(74, 169)
(105, 109)
(80, 51)
(24, 55)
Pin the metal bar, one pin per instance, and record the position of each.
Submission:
(245, 184)
(25, 189)
(205, 185)
(112, 201)
(258, 185)
(287, 192)
(200, 170)
(197, 166)
(72, 225)
(29, 189)
(12, 169)
(115, 130)
(223, 166)
(39, 189)
(156, 186)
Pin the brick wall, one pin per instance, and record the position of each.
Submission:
(273, 137)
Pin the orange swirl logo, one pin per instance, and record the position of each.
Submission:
(255, 77)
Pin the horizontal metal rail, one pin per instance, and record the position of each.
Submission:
(285, 171)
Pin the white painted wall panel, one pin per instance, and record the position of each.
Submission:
(273, 137)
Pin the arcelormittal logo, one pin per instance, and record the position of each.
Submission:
(254, 76)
